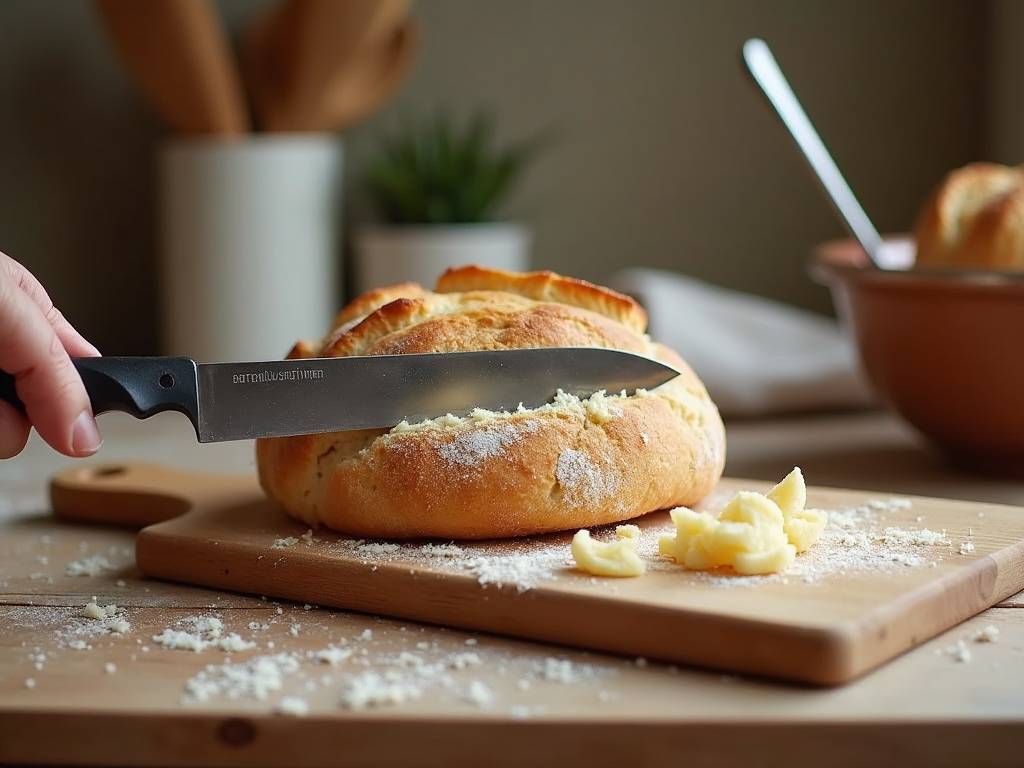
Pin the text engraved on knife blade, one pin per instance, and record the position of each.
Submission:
(264, 377)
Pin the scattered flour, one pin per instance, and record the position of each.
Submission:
(206, 632)
(94, 565)
(254, 678)
(960, 652)
(366, 678)
(989, 634)
(333, 655)
(583, 482)
(470, 447)
(856, 539)
(294, 706)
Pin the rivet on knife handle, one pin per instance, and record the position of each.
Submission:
(139, 386)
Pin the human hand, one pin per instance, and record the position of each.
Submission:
(36, 345)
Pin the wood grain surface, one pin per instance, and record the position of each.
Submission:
(954, 700)
(841, 612)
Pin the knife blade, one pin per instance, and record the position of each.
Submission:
(280, 398)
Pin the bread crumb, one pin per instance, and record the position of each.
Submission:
(110, 668)
(989, 634)
(94, 611)
(30, 683)
(89, 566)
(960, 652)
(558, 670)
(255, 678)
(480, 694)
(293, 706)
(332, 655)
(206, 633)
(371, 689)
(467, 659)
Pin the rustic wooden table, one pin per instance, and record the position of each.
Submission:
(75, 692)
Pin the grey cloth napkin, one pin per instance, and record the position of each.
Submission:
(756, 356)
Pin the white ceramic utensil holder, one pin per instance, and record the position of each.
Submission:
(250, 244)
(389, 255)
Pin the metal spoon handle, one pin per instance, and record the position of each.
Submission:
(765, 71)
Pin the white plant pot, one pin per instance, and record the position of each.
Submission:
(389, 255)
(250, 244)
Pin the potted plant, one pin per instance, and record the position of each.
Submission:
(437, 187)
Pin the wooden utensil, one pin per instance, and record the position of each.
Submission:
(370, 80)
(177, 54)
(295, 55)
(221, 532)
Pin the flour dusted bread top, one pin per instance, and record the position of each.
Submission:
(565, 465)
(974, 218)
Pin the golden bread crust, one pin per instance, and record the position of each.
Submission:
(975, 217)
(567, 465)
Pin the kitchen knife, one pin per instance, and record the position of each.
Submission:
(241, 401)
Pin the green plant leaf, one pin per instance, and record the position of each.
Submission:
(439, 172)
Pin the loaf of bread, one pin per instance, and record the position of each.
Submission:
(974, 218)
(566, 465)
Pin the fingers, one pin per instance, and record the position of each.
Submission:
(74, 343)
(34, 343)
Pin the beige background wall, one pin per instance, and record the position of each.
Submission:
(665, 155)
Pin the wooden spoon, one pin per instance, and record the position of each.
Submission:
(295, 53)
(369, 81)
(332, 34)
(178, 56)
(263, 70)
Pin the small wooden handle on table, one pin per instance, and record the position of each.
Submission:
(135, 494)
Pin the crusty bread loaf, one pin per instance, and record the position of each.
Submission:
(566, 465)
(974, 218)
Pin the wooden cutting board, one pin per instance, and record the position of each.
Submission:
(867, 592)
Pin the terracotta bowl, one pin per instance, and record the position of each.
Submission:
(943, 348)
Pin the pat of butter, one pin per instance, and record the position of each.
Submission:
(755, 534)
(611, 558)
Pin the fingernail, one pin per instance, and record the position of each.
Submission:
(85, 435)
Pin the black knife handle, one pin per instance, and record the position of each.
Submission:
(139, 386)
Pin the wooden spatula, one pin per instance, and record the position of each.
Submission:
(178, 56)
